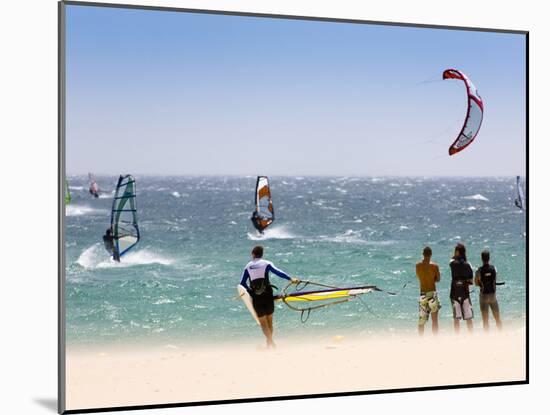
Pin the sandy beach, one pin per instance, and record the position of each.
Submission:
(135, 375)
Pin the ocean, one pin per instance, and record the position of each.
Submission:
(179, 283)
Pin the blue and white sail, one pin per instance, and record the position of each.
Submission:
(124, 223)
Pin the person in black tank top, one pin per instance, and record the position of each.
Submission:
(461, 278)
(486, 280)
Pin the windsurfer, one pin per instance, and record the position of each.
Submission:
(94, 188)
(257, 222)
(257, 273)
(263, 215)
(109, 242)
(428, 275)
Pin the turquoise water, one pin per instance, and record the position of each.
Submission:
(179, 283)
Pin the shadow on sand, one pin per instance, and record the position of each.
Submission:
(48, 403)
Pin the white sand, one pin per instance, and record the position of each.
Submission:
(130, 375)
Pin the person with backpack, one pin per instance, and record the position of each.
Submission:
(486, 280)
(255, 280)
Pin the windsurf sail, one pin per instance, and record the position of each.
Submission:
(94, 188)
(124, 223)
(327, 296)
(520, 199)
(263, 215)
(67, 193)
(474, 113)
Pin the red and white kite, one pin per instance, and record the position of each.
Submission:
(474, 115)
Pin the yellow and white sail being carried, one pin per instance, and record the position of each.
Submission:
(328, 296)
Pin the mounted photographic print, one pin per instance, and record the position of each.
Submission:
(258, 207)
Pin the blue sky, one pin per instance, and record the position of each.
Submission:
(154, 92)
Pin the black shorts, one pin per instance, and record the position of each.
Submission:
(264, 304)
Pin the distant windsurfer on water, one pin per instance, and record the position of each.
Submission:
(256, 273)
(109, 242)
(263, 214)
(486, 280)
(519, 201)
(428, 275)
(461, 278)
(94, 188)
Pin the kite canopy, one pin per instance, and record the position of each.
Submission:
(263, 215)
(124, 223)
(474, 115)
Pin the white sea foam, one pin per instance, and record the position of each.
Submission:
(76, 187)
(353, 237)
(95, 256)
(106, 195)
(163, 301)
(79, 210)
(176, 194)
(476, 197)
(280, 232)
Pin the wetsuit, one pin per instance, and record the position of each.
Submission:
(110, 246)
(256, 222)
(462, 277)
(257, 272)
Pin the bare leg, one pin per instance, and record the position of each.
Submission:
(421, 329)
(435, 322)
(456, 324)
(485, 317)
(270, 323)
(484, 308)
(264, 324)
(496, 315)
(470, 325)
